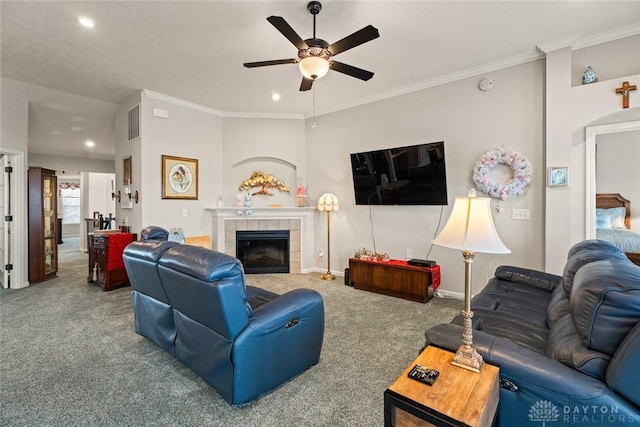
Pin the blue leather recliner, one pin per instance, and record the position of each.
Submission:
(568, 346)
(243, 341)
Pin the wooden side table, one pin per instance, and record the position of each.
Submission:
(106, 266)
(458, 397)
(395, 279)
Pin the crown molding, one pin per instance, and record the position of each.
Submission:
(212, 111)
(441, 80)
(574, 41)
(609, 36)
(553, 45)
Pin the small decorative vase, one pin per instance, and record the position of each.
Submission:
(589, 76)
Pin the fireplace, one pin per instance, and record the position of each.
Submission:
(263, 251)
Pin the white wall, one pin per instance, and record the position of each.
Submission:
(186, 133)
(124, 148)
(618, 157)
(471, 122)
(273, 146)
(14, 139)
(569, 109)
(71, 165)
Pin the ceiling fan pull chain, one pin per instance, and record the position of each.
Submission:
(313, 93)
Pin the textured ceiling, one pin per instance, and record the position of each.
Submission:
(195, 50)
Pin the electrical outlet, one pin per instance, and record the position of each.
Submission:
(320, 253)
(409, 253)
(185, 212)
(520, 214)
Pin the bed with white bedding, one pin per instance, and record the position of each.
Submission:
(613, 223)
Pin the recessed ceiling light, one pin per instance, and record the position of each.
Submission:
(85, 21)
(275, 96)
(90, 144)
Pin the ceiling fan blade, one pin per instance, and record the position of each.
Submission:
(350, 70)
(266, 63)
(364, 35)
(286, 30)
(306, 84)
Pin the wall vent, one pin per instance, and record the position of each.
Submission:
(134, 122)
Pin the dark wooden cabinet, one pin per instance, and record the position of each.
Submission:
(106, 267)
(403, 281)
(43, 224)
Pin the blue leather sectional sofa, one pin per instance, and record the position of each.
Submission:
(193, 303)
(568, 346)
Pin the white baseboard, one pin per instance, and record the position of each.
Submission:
(442, 293)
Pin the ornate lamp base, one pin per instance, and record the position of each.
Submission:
(468, 358)
(328, 276)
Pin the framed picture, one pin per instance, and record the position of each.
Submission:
(179, 178)
(558, 176)
(126, 171)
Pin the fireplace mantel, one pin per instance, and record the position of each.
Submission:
(262, 219)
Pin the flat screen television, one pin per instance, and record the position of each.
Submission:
(411, 175)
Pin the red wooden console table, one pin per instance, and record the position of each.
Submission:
(106, 266)
(395, 278)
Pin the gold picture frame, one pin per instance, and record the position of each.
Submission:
(179, 178)
(126, 171)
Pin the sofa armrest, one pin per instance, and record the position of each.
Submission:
(526, 276)
(535, 376)
(284, 337)
(524, 367)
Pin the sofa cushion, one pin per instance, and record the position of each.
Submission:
(566, 346)
(605, 303)
(590, 245)
(154, 232)
(558, 306)
(622, 375)
(584, 257)
(206, 286)
(517, 330)
(515, 300)
(141, 262)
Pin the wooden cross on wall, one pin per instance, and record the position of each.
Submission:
(624, 90)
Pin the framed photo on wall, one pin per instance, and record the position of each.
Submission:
(179, 178)
(558, 176)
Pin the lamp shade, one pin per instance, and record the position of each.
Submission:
(470, 228)
(328, 202)
(313, 67)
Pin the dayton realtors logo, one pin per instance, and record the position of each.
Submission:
(545, 411)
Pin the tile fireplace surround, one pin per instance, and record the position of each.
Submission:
(300, 222)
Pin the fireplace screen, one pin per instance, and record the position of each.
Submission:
(263, 251)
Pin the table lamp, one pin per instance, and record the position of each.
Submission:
(470, 228)
(328, 202)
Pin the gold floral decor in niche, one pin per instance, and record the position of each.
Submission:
(264, 180)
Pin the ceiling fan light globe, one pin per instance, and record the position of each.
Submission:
(313, 67)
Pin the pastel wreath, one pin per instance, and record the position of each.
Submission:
(520, 167)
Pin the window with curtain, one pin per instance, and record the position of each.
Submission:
(70, 202)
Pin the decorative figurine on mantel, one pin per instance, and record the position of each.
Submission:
(266, 181)
(301, 195)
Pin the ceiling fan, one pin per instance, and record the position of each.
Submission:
(314, 54)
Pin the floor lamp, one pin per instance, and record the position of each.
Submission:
(470, 229)
(328, 202)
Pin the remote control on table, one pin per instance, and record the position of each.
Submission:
(423, 374)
